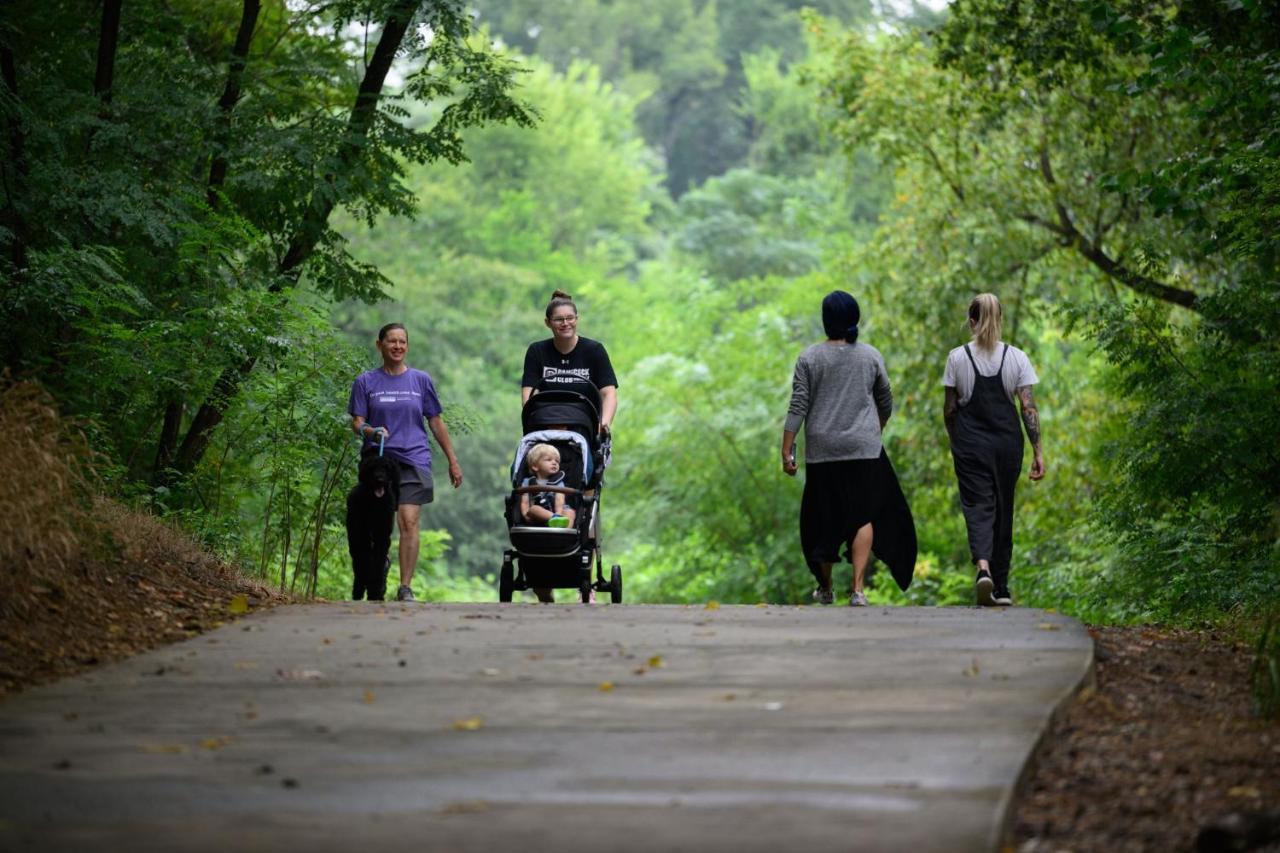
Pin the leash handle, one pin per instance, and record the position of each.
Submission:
(382, 436)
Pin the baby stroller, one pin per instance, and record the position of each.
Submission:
(564, 413)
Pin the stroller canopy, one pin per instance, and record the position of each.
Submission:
(564, 402)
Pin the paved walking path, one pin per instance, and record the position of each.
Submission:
(522, 727)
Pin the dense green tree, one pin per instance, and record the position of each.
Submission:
(684, 58)
(1070, 151)
(168, 182)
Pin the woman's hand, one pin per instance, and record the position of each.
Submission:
(1037, 467)
(789, 453)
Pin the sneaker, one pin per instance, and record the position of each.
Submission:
(824, 596)
(982, 588)
(1003, 597)
(404, 594)
(859, 599)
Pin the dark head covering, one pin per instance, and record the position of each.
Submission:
(840, 316)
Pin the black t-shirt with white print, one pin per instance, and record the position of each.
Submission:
(588, 360)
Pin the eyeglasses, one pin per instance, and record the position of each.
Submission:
(563, 321)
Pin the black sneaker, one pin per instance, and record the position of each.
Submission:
(1003, 598)
(404, 594)
(982, 588)
(824, 596)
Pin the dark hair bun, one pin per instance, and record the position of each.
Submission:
(560, 294)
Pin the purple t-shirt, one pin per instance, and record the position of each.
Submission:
(399, 403)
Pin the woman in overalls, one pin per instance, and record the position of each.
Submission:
(981, 380)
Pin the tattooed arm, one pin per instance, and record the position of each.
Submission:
(1031, 421)
(950, 403)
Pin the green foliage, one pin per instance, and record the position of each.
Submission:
(119, 245)
(687, 62)
(1030, 161)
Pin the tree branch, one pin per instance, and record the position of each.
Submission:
(1092, 251)
(231, 96)
(956, 189)
(308, 233)
(108, 38)
(325, 197)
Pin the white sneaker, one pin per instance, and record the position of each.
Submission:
(404, 594)
(859, 599)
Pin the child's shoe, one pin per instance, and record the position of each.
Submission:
(560, 521)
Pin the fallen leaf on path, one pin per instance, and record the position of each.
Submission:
(469, 724)
(246, 664)
(656, 662)
(1244, 791)
(972, 669)
(369, 697)
(239, 604)
(215, 743)
(605, 686)
(1048, 626)
(712, 605)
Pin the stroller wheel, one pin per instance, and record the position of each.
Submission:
(615, 584)
(506, 581)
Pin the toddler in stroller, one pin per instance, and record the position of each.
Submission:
(565, 417)
(545, 507)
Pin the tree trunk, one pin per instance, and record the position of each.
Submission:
(108, 38)
(168, 438)
(231, 96)
(13, 172)
(323, 199)
(308, 232)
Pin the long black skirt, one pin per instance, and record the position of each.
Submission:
(840, 497)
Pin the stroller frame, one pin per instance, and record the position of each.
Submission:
(561, 558)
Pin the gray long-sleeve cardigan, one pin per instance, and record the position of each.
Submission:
(840, 393)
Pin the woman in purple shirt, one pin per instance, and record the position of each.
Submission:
(388, 406)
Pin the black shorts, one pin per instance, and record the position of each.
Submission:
(415, 485)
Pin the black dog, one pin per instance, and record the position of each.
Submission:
(371, 512)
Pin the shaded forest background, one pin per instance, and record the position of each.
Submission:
(209, 208)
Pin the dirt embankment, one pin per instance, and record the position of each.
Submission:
(84, 579)
(1165, 744)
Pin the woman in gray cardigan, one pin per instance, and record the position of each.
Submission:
(841, 395)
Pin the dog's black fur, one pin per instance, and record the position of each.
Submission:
(371, 512)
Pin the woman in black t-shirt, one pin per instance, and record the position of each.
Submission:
(570, 355)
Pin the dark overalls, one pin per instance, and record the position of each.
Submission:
(986, 447)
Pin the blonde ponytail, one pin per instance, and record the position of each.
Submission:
(985, 314)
